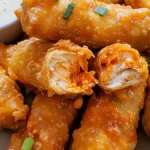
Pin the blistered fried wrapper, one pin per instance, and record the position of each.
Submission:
(44, 19)
(60, 68)
(13, 112)
(49, 123)
(111, 118)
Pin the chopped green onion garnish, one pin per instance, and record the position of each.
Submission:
(148, 61)
(69, 10)
(56, 0)
(101, 10)
(27, 144)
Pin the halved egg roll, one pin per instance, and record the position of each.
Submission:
(119, 66)
(110, 120)
(13, 112)
(61, 68)
(49, 123)
(86, 22)
(138, 3)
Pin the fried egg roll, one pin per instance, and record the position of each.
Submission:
(12, 109)
(110, 121)
(49, 123)
(119, 66)
(138, 3)
(61, 68)
(84, 25)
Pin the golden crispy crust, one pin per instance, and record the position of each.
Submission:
(138, 3)
(17, 140)
(146, 115)
(119, 66)
(5, 54)
(110, 121)
(49, 124)
(27, 60)
(61, 68)
(120, 24)
(12, 109)
(111, 1)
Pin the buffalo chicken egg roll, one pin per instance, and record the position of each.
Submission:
(61, 68)
(119, 66)
(138, 3)
(12, 110)
(49, 123)
(111, 119)
(91, 22)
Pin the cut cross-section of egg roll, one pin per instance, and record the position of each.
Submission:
(12, 110)
(49, 123)
(91, 22)
(138, 3)
(110, 120)
(61, 68)
(119, 66)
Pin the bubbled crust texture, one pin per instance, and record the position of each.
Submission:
(85, 27)
(5, 53)
(27, 60)
(12, 109)
(138, 3)
(48, 124)
(110, 121)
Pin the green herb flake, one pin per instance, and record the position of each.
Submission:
(148, 61)
(101, 10)
(69, 10)
(56, 0)
(27, 144)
